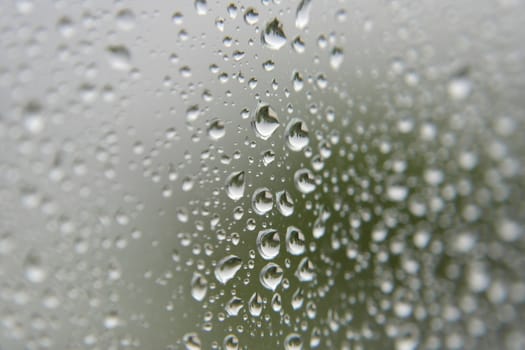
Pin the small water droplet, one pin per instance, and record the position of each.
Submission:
(34, 268)
(192, 341)
(460, 86)
(231, 342)
(336, 58)
(233, 306)
(251, 16)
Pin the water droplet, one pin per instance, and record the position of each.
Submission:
(304, 181)
(201, 6)
(302, 15)
(262, 201)
(268, 243)
(268, 157)
(233, 306)
(227, 268)
(460, 86)
(33, 119)
(216, 130)
(111, 320)
(199, 287)
(191, 341)
(297, 135)
(306, 270)
(235, 184)
(34, 268)
(251, 16)
(265, 122)
(295, 241)
(273, 35)
(285, 203)
(255, 305)
(231, 342)
(271, 276)
(397, 193)
(298, 299)
(125, 19)
(119, 57)
(336, 58)
(293, 341)
(276, 302)
(298, 82)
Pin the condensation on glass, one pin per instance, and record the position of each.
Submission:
(306, 174)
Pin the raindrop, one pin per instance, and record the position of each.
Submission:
(460, 86)
(231, 342)
(265, 122)
(336, 58)
(305, 271)
(251, 16)
(227, 268)
(201, 6)
(191, 341)
(216, 130)
(119, 57)
(255, 305)
(34, 268)
(273, 35)
(285, 203)
(262, 201)
(302, 16)
(293, 341)
(268, 243)
(297, 135)
(199, 287)
(33, 119)
(235, 184)
(397, 193)
(304, 181)
(233, 306)
(125, 19)
(271, 276)
(295, 241)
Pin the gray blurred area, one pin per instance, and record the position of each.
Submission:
(122, 122)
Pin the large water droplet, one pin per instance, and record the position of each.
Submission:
(227, 268)
(295, 241)
(293, 341)
(34, 268)
(231, 342)
(265, 122)
(271, 276)
(201, 7)
(304, 180)
(255, 304)
(302, 16)
(262, 201)
(297, 135)
(119, 57)
(273, 35)
(235, 184)
(199, 287)
(306, 270)
(233, 306)
(268, 243)
(191, 341)
(285, 203)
